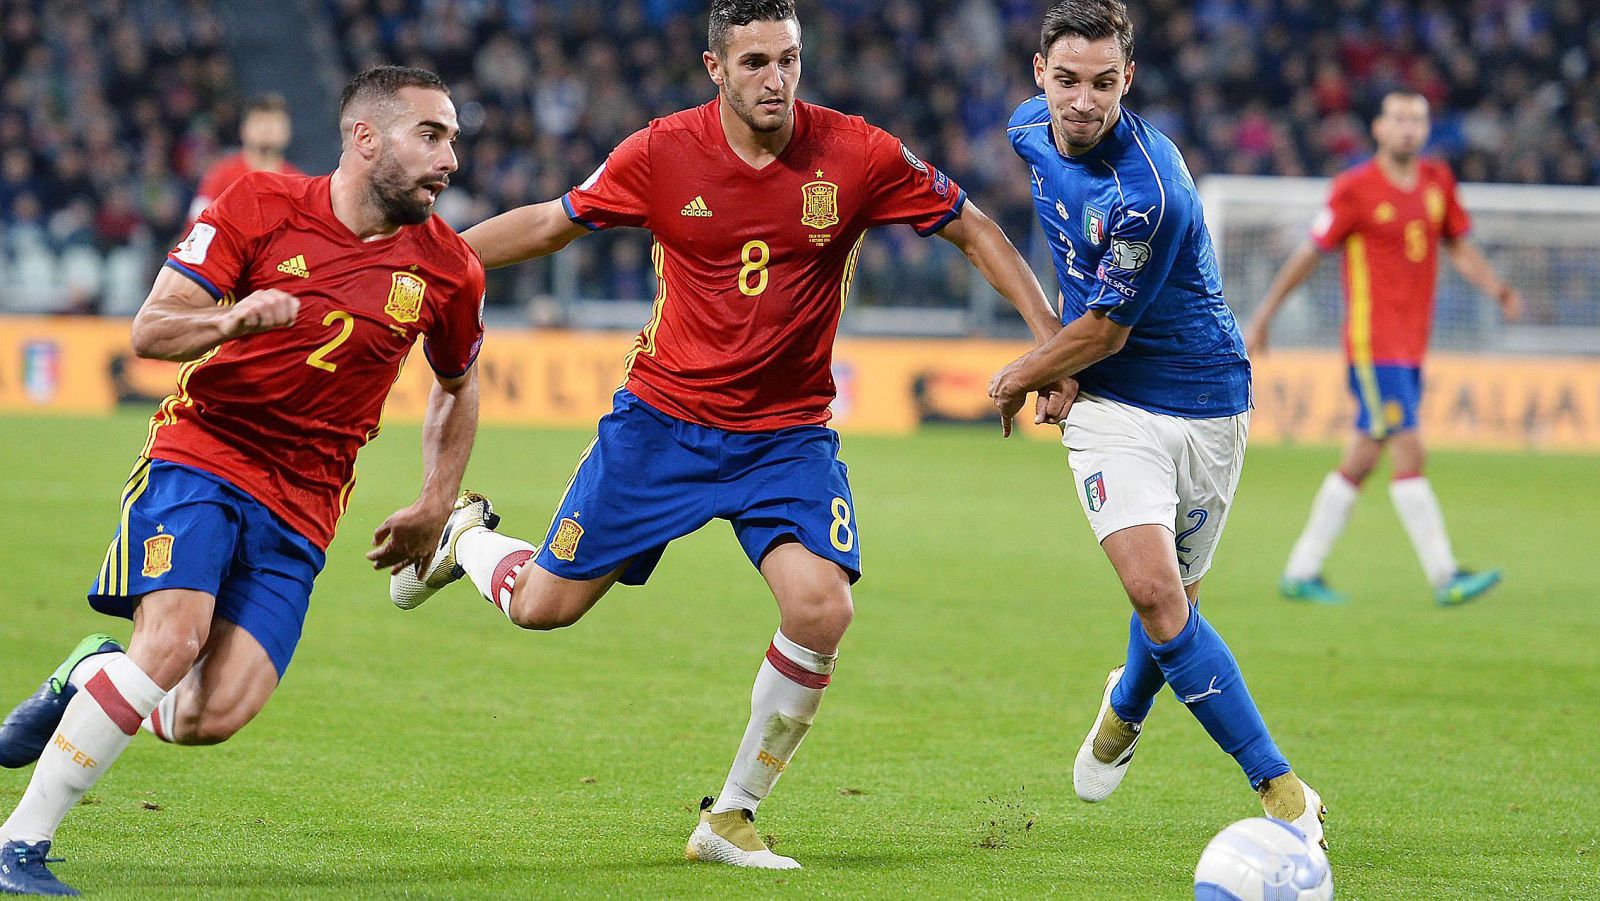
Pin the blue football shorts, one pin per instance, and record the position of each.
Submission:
(182, 527)
(1388, 398)
(649, 478)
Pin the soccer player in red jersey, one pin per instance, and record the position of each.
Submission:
(292, 303)
(1388, 215)
(758, 204)
(264, 136)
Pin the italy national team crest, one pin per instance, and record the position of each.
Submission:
(1094, 489)
(1094, 224)
(821, 204)
(157, 556)
(405, 296)
(564, 546)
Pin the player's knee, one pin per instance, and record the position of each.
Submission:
(1155, 598)
(169, 648)
(542, 614)
(205, 727)
(821, 620)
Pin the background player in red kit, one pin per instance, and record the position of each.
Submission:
(264, 135)
(758, 204)
(1388, 215)
(249, 464)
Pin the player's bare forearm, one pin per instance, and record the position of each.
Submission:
(523, 234)
(1083, 342)
(410, 536)
(998, 261)
(448, 432)
(180, 322)
(1294, 272)
(1469, 260)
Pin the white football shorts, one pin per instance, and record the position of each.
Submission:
(1134, 467)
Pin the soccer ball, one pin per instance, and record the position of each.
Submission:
(1261, 859)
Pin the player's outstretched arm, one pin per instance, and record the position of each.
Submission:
(1476, 268)
(1294, 273)
(180, 322)
(996, 258)
(449, 429)
(523, 234)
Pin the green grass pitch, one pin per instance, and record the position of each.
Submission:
(443, 753)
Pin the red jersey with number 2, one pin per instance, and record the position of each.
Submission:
(281, 414)
(753, 266)
(1390, 239)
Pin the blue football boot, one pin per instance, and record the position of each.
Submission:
(23, 870)
(1465, 586)
(27, 729)
(1313, 590)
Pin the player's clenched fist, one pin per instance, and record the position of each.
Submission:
(260, 312)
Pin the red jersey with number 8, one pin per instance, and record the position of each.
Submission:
(1390, 238)
(753, 266)
(281, 414)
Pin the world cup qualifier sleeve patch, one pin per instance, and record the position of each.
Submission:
(1094, 488)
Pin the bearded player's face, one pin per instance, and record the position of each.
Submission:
(416, 157)
(760, 72)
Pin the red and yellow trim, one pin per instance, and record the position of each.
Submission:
(167, 413)
(850, 271)
(114, 571)
(1358, 279)
(646, 342)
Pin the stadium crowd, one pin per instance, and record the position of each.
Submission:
(110, 110)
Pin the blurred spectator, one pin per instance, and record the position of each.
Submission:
(264, 137)
(108, 112)
(1257, 87)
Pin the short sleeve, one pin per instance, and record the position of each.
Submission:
(1456, 220)
(1145, 238)
(618, 193)
(452, 344)
(217, 249)
(1338, 219)
(906, 190)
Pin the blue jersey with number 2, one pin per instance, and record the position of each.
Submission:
(1128, 237)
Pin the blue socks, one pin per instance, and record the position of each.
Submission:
(1206, 678)
(1141, 678)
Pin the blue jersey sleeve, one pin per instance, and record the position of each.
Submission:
(1147, 232)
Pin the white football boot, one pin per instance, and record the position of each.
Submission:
(409, 588)
(1106, 751)
(731, 838)
(1288, 798)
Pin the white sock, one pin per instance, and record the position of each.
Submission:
(1329, 513)
(492, 562)
(787, 693)
(1419, 512)
(159, 722)
(99, 723)
(87, 669)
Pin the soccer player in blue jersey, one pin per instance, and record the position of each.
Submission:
(1156, 436)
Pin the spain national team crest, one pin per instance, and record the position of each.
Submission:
(405, 296)
(1094, 489)
(821, 204)
(1434, 198)
(564, 546)
(1094, 224)
(157, 556)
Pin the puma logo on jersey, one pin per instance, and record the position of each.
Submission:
(697, 208)
(295, 267)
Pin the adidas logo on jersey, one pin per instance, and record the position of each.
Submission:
(295, 267)
(697, 208)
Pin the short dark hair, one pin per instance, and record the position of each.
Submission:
(267, 103)
(1093, 20)
(726, 14)
(381, 83)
